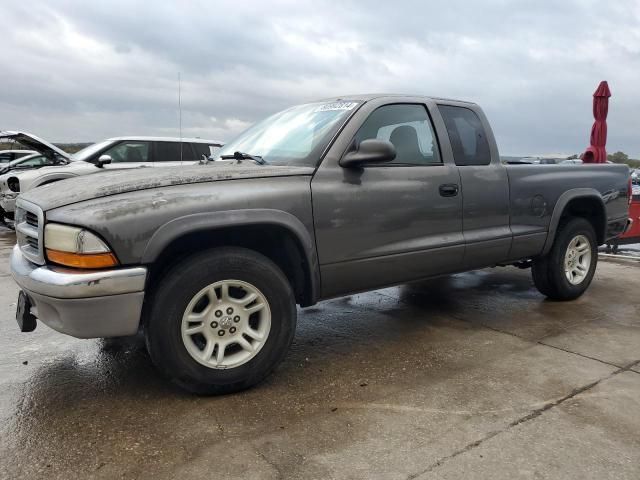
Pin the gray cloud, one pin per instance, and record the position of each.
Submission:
(88, 70)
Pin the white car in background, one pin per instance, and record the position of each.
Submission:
(35, 160)
(571, 161)
(113, 153)
(7, 156)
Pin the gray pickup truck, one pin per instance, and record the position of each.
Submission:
(320, 200)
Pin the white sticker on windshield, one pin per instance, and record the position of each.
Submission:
(327, 107)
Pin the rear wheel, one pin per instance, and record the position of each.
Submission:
(567, 270)
(221, 321)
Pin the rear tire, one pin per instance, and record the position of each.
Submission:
(221, 321)
(567, 270)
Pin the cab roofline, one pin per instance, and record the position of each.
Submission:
(375, 96)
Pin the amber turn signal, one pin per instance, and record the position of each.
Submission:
(79, 260)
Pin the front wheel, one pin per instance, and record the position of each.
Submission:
(221, 321)
(567, 270)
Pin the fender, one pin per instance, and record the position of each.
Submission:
(181, 226)
(562, 203)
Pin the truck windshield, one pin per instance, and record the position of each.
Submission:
(296, 136)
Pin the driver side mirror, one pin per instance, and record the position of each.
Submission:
(104, 160)
(371, 150)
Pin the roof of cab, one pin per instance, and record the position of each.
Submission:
(365, 97)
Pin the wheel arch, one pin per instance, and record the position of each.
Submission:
(580, 202)
(278, 235)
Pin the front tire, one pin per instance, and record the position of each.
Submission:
(567, 270)
(221, 321)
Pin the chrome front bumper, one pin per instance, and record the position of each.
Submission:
(93, 304)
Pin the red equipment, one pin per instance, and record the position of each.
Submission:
(596, 153)
(633, 234)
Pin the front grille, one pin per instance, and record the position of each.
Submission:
(31, 219)
(32, 242)
(29, 230)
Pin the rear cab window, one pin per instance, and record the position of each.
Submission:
(467, 135)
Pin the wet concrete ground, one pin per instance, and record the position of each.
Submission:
(470, 376)
(631, 250)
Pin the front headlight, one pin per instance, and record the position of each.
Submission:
(76, 247)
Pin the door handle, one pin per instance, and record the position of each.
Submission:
(449, 189)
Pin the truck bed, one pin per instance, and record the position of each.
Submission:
(525, 181)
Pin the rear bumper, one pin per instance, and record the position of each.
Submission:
(101, 303)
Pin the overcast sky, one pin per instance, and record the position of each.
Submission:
(83, 71)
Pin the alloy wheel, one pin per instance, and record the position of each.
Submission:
(226, 324)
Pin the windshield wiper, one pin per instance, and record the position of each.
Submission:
(245, 156)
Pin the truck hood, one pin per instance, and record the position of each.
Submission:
(34, 143)
(116, 182)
